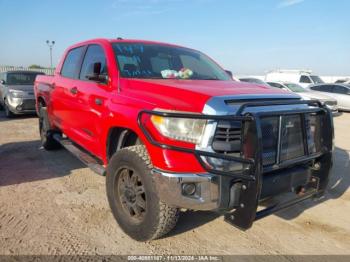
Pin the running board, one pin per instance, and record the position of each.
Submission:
(83, 156)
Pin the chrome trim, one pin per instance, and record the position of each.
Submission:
(169, 188)
(217, 106)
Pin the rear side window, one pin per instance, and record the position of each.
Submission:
(340, 90)
(316, 88)
(323, 88)
(94, 54)
(72, 62)
(305, 79)
(275, 85)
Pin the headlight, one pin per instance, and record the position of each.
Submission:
(183, 129)
(16, 93)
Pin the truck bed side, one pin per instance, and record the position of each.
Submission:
(42, 88)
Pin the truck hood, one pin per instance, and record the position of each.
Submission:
(192, 95)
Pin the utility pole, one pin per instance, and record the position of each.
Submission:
(50, 44)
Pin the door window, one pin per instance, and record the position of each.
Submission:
(72, 62)
(340, 90)
(275, 85)
(305, 79)
(94, 54)
(323, 88)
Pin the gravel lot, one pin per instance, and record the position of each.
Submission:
(51, 204)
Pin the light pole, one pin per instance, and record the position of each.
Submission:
(50, 45)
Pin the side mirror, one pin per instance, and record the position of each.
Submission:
(229, 73)
(2, 81)
(96, 75)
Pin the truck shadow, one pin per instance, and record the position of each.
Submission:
(26, 161)
(3, 118)
(338, 184)
(190, 220)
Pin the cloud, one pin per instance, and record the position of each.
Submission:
(135, 8)
(288, 3)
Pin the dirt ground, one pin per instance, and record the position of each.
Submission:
(51, 204)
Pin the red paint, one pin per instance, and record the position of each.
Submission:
(88, 124)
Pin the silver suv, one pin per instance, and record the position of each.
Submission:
(17, 92)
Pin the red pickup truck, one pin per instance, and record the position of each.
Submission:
(172, 130)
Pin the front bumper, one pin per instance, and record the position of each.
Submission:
(238, 193)
(333, 108)
(170, 187)
(21, 106)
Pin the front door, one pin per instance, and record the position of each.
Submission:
(92, 96)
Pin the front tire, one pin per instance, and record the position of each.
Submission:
(133, 197)
(8, 112)
(46, 134)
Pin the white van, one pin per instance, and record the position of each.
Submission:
(301, 77)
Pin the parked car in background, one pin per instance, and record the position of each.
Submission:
(307, 94)
(253, 80)
(343, 81)
(301, 77)
(340, 92)
(17, 92)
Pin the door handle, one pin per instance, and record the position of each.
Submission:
(74, 90)
(98, 101)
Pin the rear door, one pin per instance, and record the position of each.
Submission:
(65, 98)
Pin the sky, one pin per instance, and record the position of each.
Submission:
(248, 37)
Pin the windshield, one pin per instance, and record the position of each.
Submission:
(152, 61)
(21, 78)
(317, 80)
(295, 88)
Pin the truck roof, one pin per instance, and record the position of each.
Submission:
(119, 40)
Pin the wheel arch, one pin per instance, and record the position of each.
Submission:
(120, 137)
(40, 102)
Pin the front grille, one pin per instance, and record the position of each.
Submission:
(291, 140)
(269, 132)
(292, 145)
(28, 104)
(313, 127)
(227, 137)
(331, 103)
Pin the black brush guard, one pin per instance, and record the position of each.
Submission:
(240, 190)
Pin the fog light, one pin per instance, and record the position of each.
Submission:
(19, 108)
(189, 189)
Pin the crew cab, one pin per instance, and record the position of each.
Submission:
(171, 130)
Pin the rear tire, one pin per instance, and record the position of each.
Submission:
(133, 197)
(46, 134)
